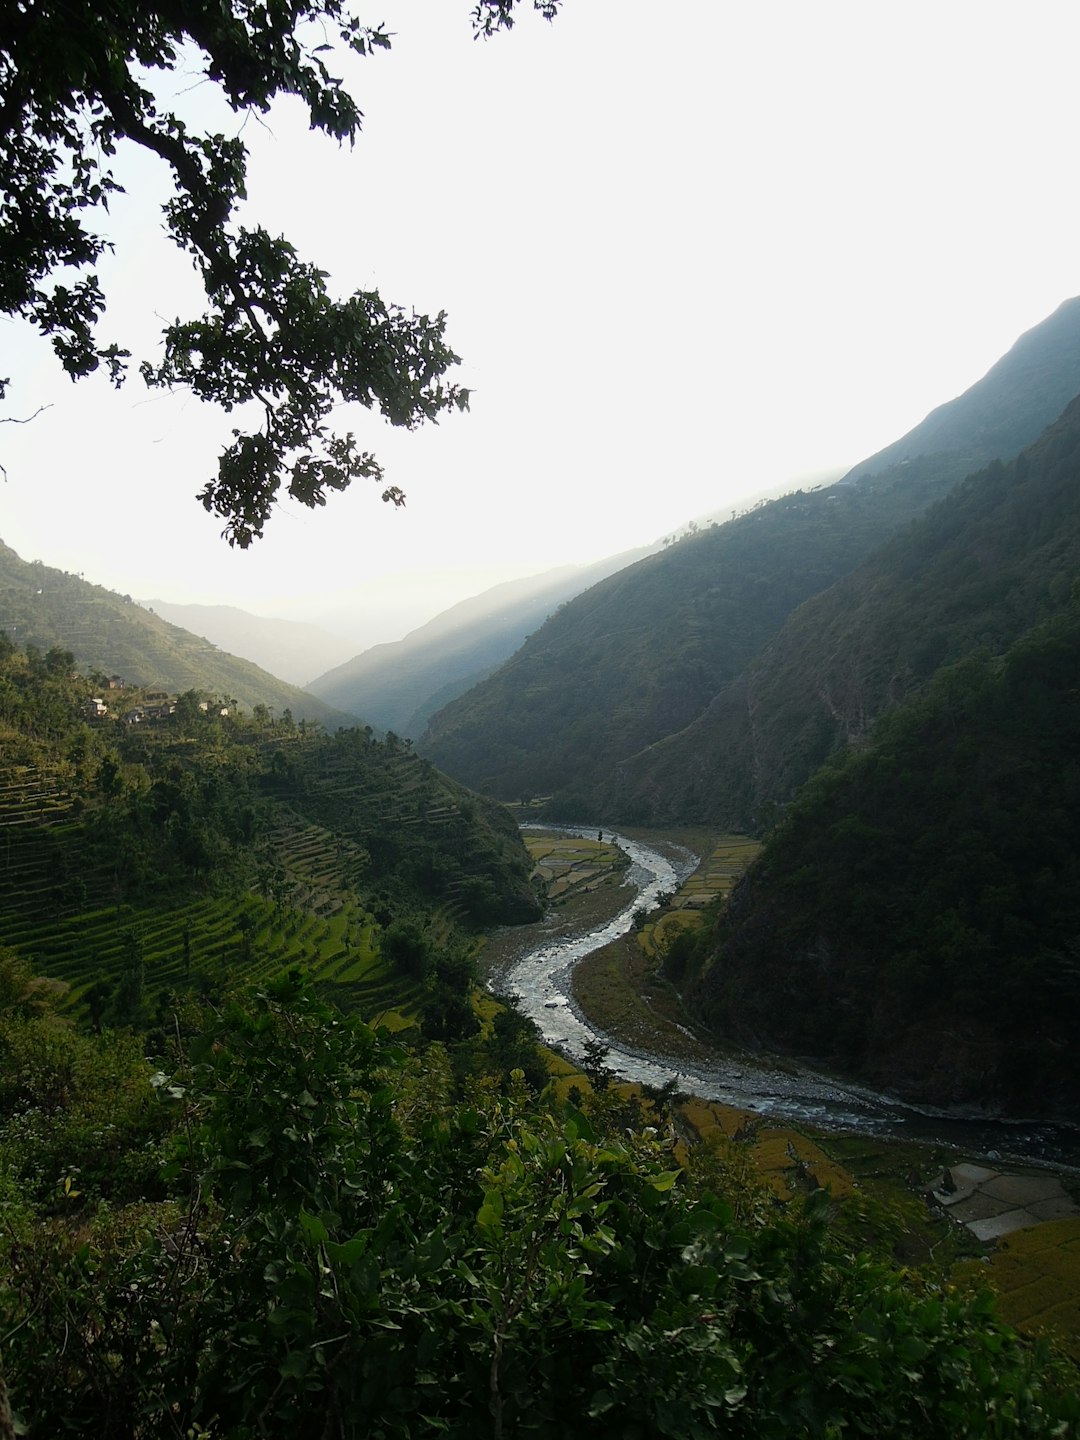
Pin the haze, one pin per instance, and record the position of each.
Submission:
(688, 254)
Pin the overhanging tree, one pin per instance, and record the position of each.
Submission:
(75, 84)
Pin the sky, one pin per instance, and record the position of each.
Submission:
(689, 253)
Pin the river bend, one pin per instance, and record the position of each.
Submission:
(540, 981)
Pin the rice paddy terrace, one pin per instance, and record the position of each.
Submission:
(344, 835)
(59, 907)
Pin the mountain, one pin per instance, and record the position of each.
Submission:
(294, 651)
(642, 653)
(995, 556)
(586, 707)
(1018, 397)
(913, 918)
(399, 685)
(109, 634)
(913, 921)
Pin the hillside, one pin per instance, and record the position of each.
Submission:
(643, 653)
(913, 920)
(399, 685)
(290, 649)
(111, 635)
(641, 656)
(1025, 391)
(995, 556)
(209, 849)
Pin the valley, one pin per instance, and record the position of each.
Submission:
(560, 913)
(745, 889)
(797, 1126)
(584, 976)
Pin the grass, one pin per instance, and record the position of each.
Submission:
(790, 1162)
(571, 867)
(1036, 1275)
(234, 937)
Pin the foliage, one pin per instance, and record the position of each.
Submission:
(74, 89)
(109, 634)
(77, 1119)
(351, 1251)
(640, 655)
(914, 915)
(204, 849)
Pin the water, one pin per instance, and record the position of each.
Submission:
(540, 981)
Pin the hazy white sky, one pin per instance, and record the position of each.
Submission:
(688, 251)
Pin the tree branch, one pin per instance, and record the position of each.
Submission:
(23, 419)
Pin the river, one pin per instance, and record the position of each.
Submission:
(539, 978)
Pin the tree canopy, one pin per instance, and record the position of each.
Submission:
(302, 1230)
(76, 82)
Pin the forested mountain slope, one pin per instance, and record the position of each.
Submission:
(229, 847)
(399, 685)
(110, 634)
(914, 919)
(641, 656)
(996, 555)
(1015, 400)
(642, 653)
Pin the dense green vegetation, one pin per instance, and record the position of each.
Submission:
(228, 1207)
(914, 916)
(641, 654)
(648, 699)
(996, 555)
(111, 635)
(140, 859)
(295, 1228)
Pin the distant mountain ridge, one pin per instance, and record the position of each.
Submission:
(591, 707)
(642, 653)
(398, 685)
(291, 649)
(110, 633)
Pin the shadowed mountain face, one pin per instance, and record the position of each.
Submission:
(111, 634)
(672, 642)
(642, 654)
(399, 685)
(1010, 406)
(913, 918)
(997, 555)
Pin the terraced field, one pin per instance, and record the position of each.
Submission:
(570, 866)
(1036, 1274)
(59, 909)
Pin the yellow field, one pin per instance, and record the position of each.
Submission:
(1036, 1274)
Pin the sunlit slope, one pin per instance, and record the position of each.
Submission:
(109, 633)
(210, 850)
(399, 685)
